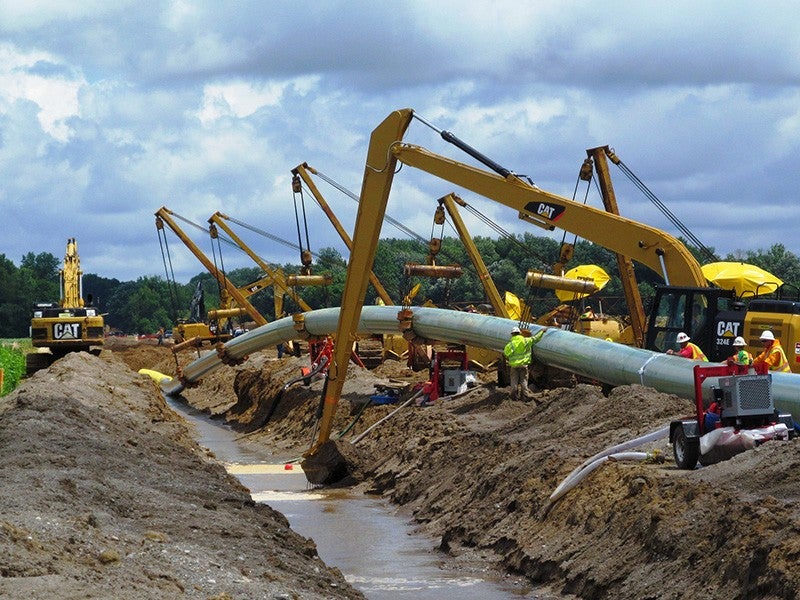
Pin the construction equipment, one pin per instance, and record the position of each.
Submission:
(647, 245)
(449, 373)
(72, 325)
(712, 316)
(229, 293)
(390, 346)
(746, 416)
(275, 276)
(650, 246)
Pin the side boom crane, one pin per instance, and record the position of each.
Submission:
(276, 276)
(303, 172)
(164, 215)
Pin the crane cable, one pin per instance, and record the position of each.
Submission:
(709, 255)
(585, 202)
(305, 253)
(166, 258)
(394, 222)
(222, 291)
(261, 232)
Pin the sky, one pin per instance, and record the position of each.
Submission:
(111, 110)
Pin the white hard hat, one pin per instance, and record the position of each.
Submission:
(682, 337)
(739, 341)
(515, 331)
(767, 335)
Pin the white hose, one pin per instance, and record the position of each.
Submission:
(618, 452)
(568, 485)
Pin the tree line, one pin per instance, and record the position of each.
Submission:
(144, 305)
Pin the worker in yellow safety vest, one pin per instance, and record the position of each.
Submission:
(773, 355)
(688, 349)
(518, 354)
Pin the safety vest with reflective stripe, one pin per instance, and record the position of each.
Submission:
(697, 354)
(775, 357)
(518, 349)
(743, 357)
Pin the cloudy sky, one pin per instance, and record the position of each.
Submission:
(110, 110)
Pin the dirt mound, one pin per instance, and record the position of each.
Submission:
(477, 472)
(106, 495)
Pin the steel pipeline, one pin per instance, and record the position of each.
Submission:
(594, 358)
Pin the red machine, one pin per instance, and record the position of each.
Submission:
(447, 371)
(746, 404)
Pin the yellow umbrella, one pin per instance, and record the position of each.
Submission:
(584, 273)
(745, 279)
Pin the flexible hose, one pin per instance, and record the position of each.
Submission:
(618, 452)
(566, 486)
(361, 410)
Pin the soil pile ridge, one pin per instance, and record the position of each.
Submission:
(106, 495)
(477, 472)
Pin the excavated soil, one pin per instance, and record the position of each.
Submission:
(104, 489)
(106, 495)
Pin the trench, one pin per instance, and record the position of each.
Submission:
(368, 539)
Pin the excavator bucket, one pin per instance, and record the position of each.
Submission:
(335, 461)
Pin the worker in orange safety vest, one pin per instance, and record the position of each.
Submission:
(773, 355)
(688, 349)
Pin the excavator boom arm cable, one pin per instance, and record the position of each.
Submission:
(169, 271)
(667, 212)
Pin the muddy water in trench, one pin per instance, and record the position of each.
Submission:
(366, 538)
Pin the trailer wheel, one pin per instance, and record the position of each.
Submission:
(685, 450)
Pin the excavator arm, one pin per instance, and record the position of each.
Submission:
(649, 246)
(164, 215)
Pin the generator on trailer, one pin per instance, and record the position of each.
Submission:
(743, 416)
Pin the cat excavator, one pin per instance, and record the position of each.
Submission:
(71, 325)
(647, 245)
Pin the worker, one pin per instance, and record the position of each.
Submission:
(773, 355)
(588, 314)
(518, 354)
(712, 416)
(741, 356)
(688, 349)
(160, 336)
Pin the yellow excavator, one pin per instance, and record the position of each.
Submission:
(647, 245)
(72, 325)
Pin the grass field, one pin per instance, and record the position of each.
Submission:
(12, 361)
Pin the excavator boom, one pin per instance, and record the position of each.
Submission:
(164, 215)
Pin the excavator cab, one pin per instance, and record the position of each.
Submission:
(711, 316)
